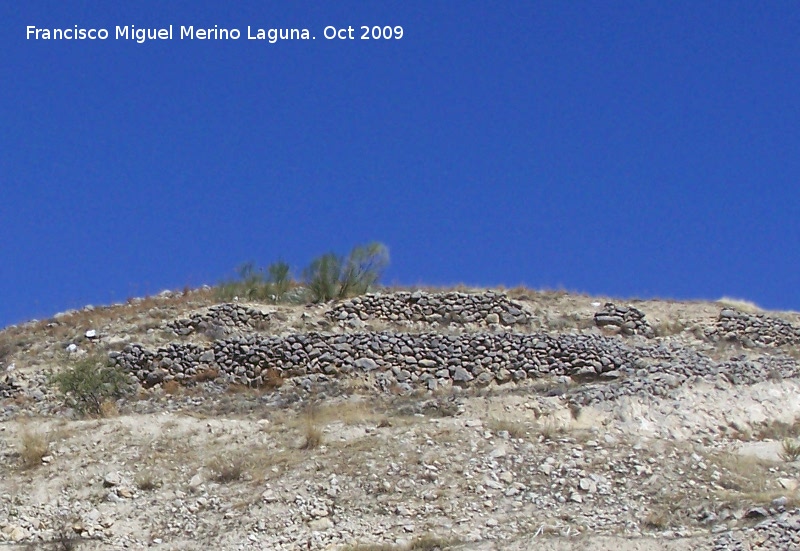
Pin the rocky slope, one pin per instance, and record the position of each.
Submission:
(407, 420)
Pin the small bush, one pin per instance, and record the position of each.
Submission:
(333, 277)
(313, 432)
(33, 446)
(146, 481)
(790, 450)
(227, 469)
(279, 277)
(90, 382)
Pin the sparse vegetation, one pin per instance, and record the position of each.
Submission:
(311, 428)
(667, 328)
(426, 542)
(513, 428)
(328, 277)
(790, 450)
(777, 430)
(88, 383)
(33, 446)
(333, 277)
(227, 468)
(279, 276)
(146, 481)
(549, 427)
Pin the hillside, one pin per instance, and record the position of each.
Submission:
(408, 419)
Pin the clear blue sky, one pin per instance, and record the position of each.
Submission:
(640, 148)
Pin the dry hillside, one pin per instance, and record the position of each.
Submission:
(405, 420)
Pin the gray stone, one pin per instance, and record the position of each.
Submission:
(461, 375)
(367, 364)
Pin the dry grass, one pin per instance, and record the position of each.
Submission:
(33, 446)
(273, 379)
(226, 468)
(550, 428)
(777, 430)
(108, 409)
(426, 542)
(351, 413)
(312, 429)
(742, 478)
(790, 450)
(147, 481)
(513, 428)
(740, 305)
(171, 387)
(205, 375)
(671, 327)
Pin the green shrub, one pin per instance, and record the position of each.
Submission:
(333, 277)
(279, 277)
(89, 382)
(322, 277)
(252, 284)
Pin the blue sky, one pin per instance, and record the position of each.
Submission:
(626, 148)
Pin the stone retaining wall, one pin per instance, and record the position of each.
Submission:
(416, 359)
(222, 319)
(489, 307)
(753, 329)
(630, 320)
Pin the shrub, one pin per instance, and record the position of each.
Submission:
(313, 432)
(333, 277)
(790, 450)
(89, 382)
(279, 277)
(363, 268)
(33, 447)
(322, 277)
(227, 468)
(253, 284)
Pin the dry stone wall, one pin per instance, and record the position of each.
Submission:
(630, 320)
(489, 307)
(608, 367)
(222, 319)
(417, 359)
(753, 329)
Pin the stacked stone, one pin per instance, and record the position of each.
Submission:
(9, 387)
(752, 329)
(659, 378)
(489, 307)
(780, 530)
(630, 320)
(416, 359)
(223, 319)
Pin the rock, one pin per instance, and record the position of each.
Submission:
(492, 318)
(756, 512)
(112, 479)
(17, 534)
(787, 483)
(321, 524)
(587, 485)
(196, 481)
(91, 334)
(461, 375)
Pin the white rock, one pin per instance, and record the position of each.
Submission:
(17, 534)
(321, 524)
(112, 479)
(91, 333)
